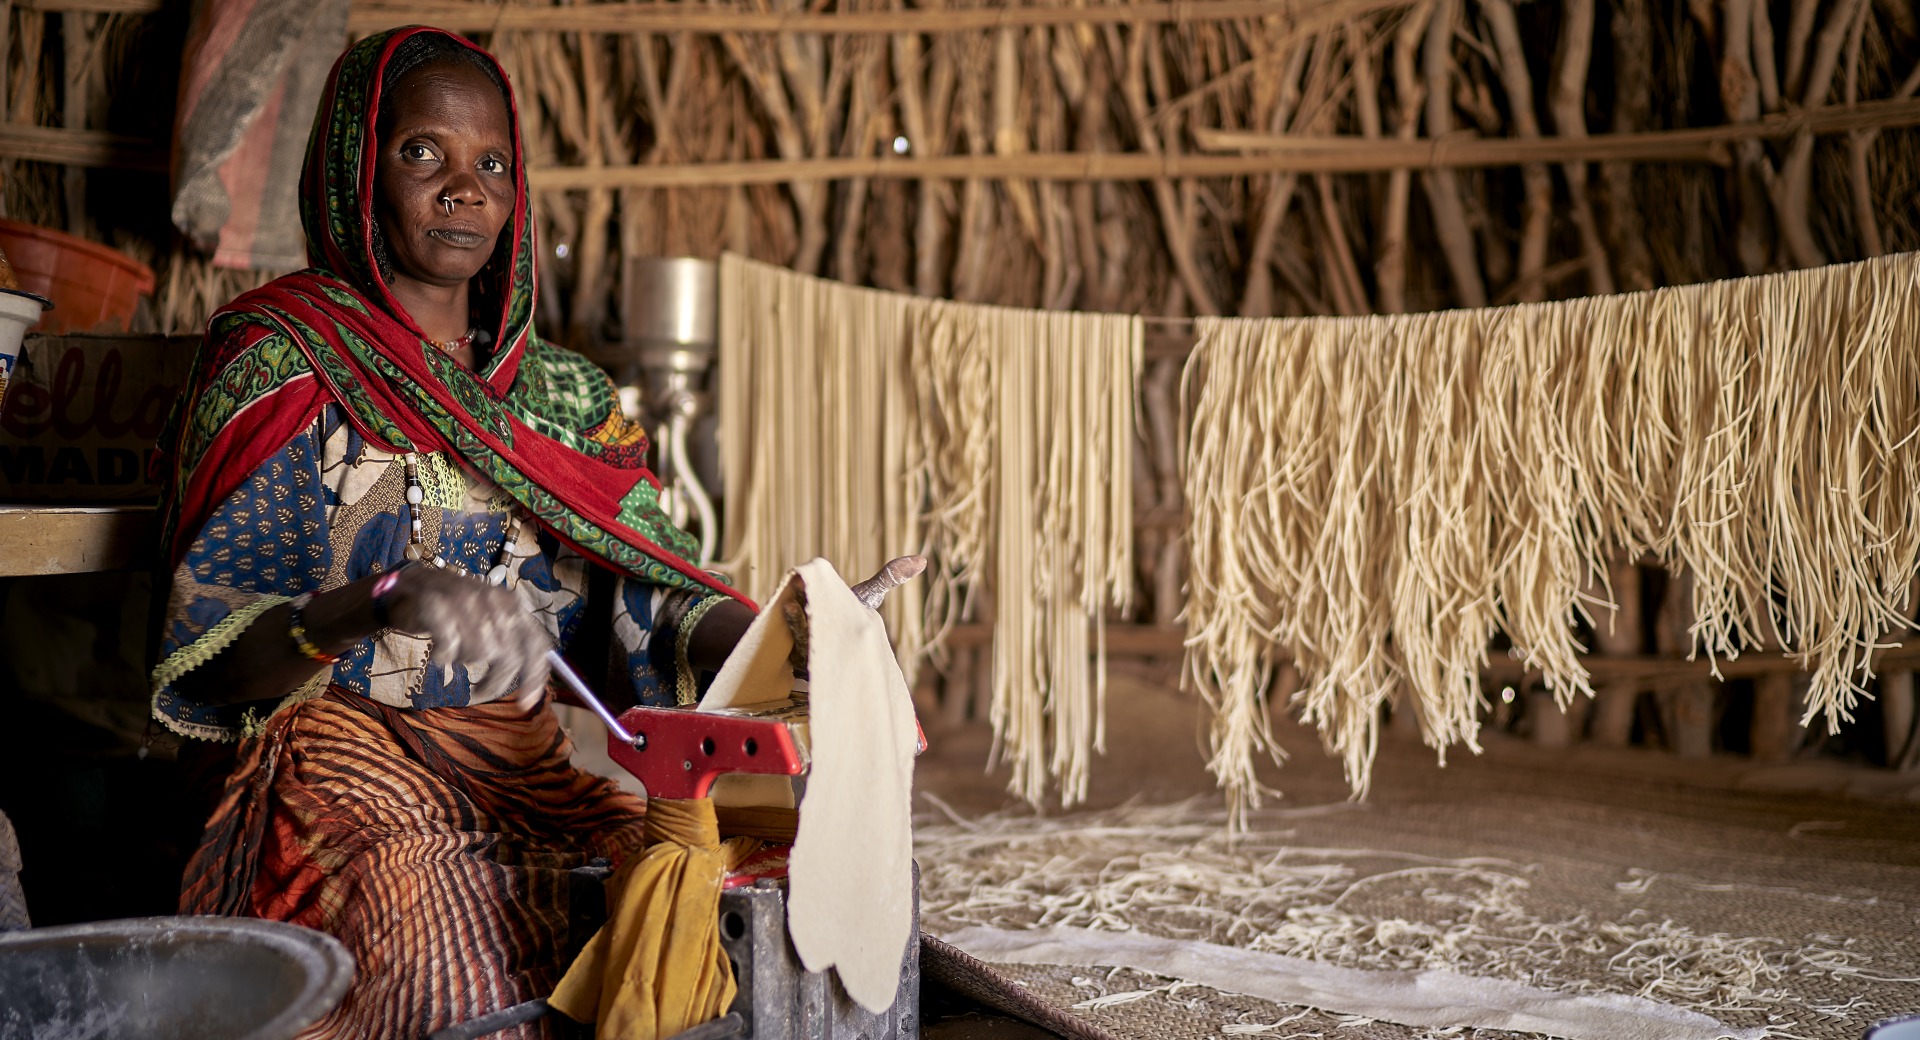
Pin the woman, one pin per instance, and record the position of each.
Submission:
(386, 497)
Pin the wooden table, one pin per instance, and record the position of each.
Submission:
(73, 539)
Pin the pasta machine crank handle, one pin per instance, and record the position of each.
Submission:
(578, 686)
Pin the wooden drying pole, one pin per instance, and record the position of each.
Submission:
(91, 6)
(96, 148)
(1258, 154)
(462, 17)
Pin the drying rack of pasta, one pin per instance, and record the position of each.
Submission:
(1631, 518)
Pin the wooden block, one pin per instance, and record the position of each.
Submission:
(74, 539)
(768, 823)
(926, 693)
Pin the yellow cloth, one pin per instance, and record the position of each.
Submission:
(656, 967)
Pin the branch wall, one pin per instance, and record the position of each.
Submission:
(1249, 157)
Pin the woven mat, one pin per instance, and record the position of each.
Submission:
(1795, 911)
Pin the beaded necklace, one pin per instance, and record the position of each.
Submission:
(416, 537)
(451, 345)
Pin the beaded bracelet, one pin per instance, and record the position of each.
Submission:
(297, 629)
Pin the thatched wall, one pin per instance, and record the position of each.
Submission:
(1166, 157)
(693, 128)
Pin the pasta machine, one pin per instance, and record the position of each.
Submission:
(679, 753)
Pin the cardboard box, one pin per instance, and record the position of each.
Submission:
(83, 413)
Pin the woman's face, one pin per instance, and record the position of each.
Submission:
(449, 139)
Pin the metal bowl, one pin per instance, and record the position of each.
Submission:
(1905, 1027)
(169, 978)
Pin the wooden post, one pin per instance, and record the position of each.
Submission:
(1902, 744)
(73, 106)
(1692, 715)
(1503, 710)
(1775, 732)
(1550, 726)
(1632, 28)
(1443, 189)
(1896, 713)
(1619, 632)
(6, 56)
(1390, 268)
(1687, 710)
(1536, 222)
(982, 700)
(1403, 721)
(1613, 712)
(958, 702)
(1567, 98)
(1158, 399)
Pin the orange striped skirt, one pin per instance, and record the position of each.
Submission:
(435, 844)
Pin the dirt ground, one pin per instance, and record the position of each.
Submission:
(1156, 739)
(1595, 822)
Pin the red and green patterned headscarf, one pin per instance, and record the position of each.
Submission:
(541, 422)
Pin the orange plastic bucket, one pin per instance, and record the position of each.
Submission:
(93, 288)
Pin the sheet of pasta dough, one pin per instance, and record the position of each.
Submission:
(850, 876)
(757, 674)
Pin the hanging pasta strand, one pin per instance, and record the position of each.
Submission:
(1062, 409)
(862, 424)
(1375, 499)
(814, 392)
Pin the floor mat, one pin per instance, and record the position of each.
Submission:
(1581, 872)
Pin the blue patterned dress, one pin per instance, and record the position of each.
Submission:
(330, 509)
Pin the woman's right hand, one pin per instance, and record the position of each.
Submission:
(475, 624)
(898, 571)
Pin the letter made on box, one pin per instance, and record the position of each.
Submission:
(81, 418)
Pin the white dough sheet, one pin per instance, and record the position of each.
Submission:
(1413, 998)
(850, 874)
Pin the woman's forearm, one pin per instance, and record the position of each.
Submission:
(717, 633)
(265, 662)
(720, 629)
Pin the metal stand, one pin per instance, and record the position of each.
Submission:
(669, 342)
(778, 998)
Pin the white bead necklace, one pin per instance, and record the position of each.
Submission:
(416, 539)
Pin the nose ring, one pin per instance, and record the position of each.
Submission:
(447, 201)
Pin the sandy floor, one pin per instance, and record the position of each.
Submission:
(1813, 847)
(1156, 753)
